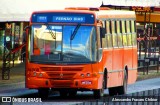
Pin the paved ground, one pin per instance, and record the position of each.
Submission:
(16, 73)
(16, 85)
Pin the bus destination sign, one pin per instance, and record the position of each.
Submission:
(68, 19)
(63, 18)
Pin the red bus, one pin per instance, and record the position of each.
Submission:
(81, 50)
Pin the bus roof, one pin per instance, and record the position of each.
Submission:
(105, 12)
(115, 14)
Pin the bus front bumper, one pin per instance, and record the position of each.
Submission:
(85, 83)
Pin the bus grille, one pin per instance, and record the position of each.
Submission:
(61, 76)
(51, 69)
(65, 73)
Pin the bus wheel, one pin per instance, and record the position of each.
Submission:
(43, 93)
(112, 91)
(99, 92)
(72, 93)
(123, 89)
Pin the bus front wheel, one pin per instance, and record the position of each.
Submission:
(100, 92)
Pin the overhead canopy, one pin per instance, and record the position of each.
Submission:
(21, 10)
(143, 3)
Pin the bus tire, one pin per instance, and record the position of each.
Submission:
(123, 89)
(43, 93)
(98, 93)
(112, 91)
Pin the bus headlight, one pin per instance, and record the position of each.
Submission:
(40, 75)
(88, 75)
(82, 75)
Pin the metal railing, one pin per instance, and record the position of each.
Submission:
(7, 58)
(148, 54)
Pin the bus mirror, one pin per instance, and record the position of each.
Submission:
(102, 32)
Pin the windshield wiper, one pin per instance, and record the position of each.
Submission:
(75, 31)
(52, 34)
(50, 31)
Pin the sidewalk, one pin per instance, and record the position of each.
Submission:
(17, 73)
(16, 85)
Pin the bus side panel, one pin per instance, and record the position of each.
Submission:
(107, 59)
(97, 69)
(117, 67)
(128, 57)
(133, 73)
(107, 62)
(128, 61)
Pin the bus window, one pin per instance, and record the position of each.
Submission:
(124, 37)
(129, 37)
(108, 37)
(108, 27)
(43, 38)
(93, 44)
(119, 31)
(133, 30)
(103, 24)
(47, 41)
(114, 36)
(104, 40)
(36, 44)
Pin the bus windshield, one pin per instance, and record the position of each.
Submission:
(63, 44)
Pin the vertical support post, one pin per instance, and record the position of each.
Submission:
(6, 55)
(13, 34)
(21, 39)
(158, 59)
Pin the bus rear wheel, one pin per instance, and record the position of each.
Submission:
(43, 93)
(123, 89)
(112, 91)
